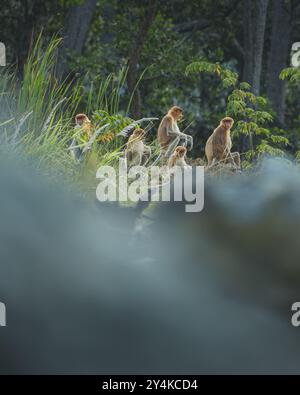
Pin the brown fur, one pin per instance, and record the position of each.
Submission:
(169, 121)
(218, 145)
(81, 120)
(178, 157)
(137, 153)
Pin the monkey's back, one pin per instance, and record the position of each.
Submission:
(209, 149)
(134, 151)
(218, 144)
(162, 135)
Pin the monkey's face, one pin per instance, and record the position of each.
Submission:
(177, 114)
(80, 119)
(227, 123)
(139, 134)
(180, 152)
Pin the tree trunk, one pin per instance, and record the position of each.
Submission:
(278, 56)
(248, 42)
(255, 13)
(132, 74)
(26, 22)
(259, 39)
(78, 21)
(108, 14)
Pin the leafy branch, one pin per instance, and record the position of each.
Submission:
(247, 109)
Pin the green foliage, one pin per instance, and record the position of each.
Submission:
(265, 148)
(40, 92)
(116, 122)
(251, 115)
(206, 30)
(291, 73)
(43, 110)
(104, 93)
(228, 77)
(248, 110)
(69, 3)
(38, 116)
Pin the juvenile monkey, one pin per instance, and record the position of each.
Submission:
(137, 153)
(178, 158)
(83, 132)
(169, 135)
(82, 121)
(219, 144)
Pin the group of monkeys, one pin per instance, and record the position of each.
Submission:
(174, 144)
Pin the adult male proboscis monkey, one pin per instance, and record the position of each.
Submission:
(219, 144)
(169, 135)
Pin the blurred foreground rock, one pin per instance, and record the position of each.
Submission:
(189, 293)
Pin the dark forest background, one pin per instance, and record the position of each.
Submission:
(156, 40)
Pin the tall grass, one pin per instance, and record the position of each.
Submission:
(106, 93)
(36, 113)
(40, 91)
(37, 117)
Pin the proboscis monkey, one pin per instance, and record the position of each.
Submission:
(82, 121)
(178, 158)
(83, 132)
(137, 153)
(219, 144)
(169, 135)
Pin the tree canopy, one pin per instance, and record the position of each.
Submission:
(175, 52)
